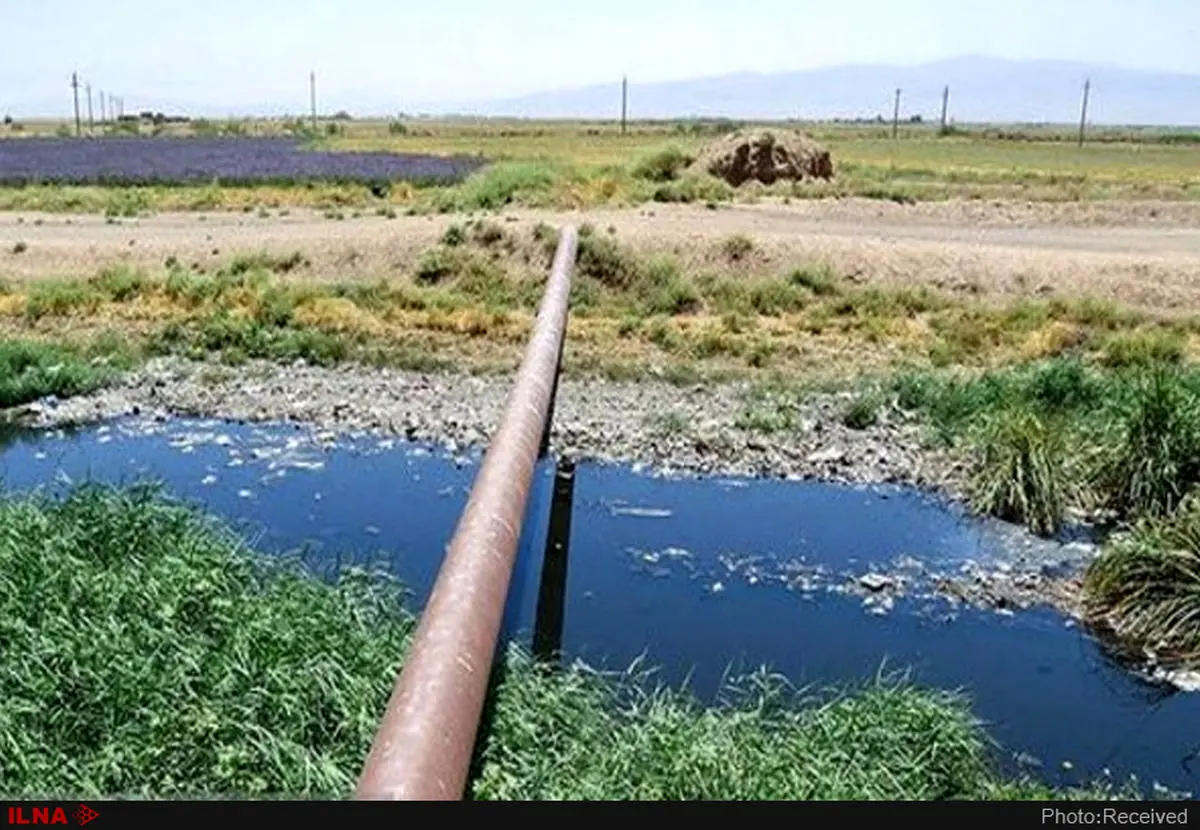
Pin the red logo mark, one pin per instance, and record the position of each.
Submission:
(85, 814)
(37, 815)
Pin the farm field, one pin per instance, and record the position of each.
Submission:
(576, 165)
(134, 161)
(995, 317)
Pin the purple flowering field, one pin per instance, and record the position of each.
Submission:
(202, 160)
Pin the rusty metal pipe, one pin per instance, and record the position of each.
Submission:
(423, 749)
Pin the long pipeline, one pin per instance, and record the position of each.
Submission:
(425, 742)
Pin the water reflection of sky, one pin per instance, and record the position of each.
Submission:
(700, 576)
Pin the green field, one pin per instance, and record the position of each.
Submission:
(576, 164)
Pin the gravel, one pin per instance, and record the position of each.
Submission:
(654, 426)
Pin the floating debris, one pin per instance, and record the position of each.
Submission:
(1182, 679)
(208, 480)
(308, 465)
(717, 587)
(245, 494)
(371, 529)
(1027, 760)
(643, 512)
(876, 582)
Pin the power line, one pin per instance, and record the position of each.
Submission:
(75, 91)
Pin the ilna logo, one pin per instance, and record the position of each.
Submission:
(50, 815)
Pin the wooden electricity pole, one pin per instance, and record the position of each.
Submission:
(102, 110)
(945, 106)
(896, 117)
(75, 91)
(1087, 88)
(624, 103)
(91, 120)
(312, 94)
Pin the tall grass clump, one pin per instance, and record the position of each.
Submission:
(31, 370)
(148, 653)
(662, 165)
(498, 185)
(1021, 473)
(576, 735)
(1152, 458)
(1145, 587)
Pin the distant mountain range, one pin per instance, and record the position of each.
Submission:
(982, 89)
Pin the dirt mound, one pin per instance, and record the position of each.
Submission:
(765, 156)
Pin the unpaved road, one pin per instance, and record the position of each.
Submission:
(1145, 254)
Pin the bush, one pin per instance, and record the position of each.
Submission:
(438, 265)
(1145, 349)
(863, 412)
(820, 281)
(606, 261)
(1021, 471)
(1145, 587)
(1152, 459)
(693, 187)
(664, 165)
(29, 371)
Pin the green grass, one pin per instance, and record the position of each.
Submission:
(1145, 587)
(1130, 438)
(584, 736)
(469, 301)
(1022, 473)
(31, 370)
(581, 164)
(150, 654)
(1153, 459)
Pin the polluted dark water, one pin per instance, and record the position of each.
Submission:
(700, 577)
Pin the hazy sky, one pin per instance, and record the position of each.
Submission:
(250, 52)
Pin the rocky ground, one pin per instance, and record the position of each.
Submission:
(655, 427)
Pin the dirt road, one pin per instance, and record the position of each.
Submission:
(1145, 254)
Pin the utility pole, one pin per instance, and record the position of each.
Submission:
(945, 106)
(312, 92)
(102, 116)
(75, 90)
(91, 120)
(624, 103)
(1087, 88)
(896, 117)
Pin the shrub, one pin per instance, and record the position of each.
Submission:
(664, 165)
(1145, 587)
(1020, 473)
(1152, 458)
